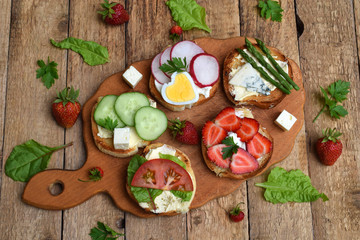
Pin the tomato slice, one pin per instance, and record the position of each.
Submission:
(162, 174)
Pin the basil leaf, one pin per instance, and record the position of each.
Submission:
(292, 186)
(92, 52)
(134, 164)
(185, 196)
(29, 158)
(142, 194)
(173, 158)
(188, 14)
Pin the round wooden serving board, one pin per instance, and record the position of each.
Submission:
(209, 186)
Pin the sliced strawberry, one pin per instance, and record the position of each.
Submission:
(212, 134)
(259, 146)
(243, 162)
(215, 155)
(249, 127)
(228, 120)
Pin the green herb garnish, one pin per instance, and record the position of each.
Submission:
(232, 147)
(271, 9)
(104, 232)
(338, 92)
(47, 72)
(293, 186)
(108, 123)
(174, 65)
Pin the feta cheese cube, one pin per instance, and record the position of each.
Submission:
(132, 76)
(122, 138)
(285, 120)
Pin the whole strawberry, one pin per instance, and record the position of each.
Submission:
(175, 32)
(95, 174)
(184, 131)
(329, 148)
(66, 108)
(114, 13)
(236, 214)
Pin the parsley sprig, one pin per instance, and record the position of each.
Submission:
(47, 72)
(103, 231)
(232, 147)
(174, 65)
(335, 93)
(108, 123)
(271, 9)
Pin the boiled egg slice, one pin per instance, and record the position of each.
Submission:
(180, 90)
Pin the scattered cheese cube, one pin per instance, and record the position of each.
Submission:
(285, 120)
(132, 76)
(122, 138)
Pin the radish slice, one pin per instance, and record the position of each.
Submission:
(157, 73)
(186, 49)
(165, 56)
(204, 69)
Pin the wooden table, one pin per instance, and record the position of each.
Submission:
(326, 51)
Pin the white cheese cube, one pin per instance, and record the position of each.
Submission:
(122, 138)
(285, 120)
(132, 76)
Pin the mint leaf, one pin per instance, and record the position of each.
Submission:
(47, 72)
(103, 231)
(271, 9)
(232, 147)
(29, 158)
(92, 52)
(292, 186)
(173, 158)
(188, 14)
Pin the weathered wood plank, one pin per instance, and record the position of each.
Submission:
(88, 26)
(28, 114)
(211, 221)
(328, 52)
(147, 34)
(269, 221)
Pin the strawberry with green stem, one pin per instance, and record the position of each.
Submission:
(236, 214)
(329, 147)
(184, 131)
(114, 13)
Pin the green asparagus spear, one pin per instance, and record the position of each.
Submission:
(275, 64)
(262, 72)
(262, 61)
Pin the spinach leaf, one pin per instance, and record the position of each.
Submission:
(173, 158)
(188, 14)
(134, 164)
(292, 186)
(29, 158)
(185, 196)
(92, 52)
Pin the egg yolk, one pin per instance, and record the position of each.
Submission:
(181, 90)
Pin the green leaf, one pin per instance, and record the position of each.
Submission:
(142, 194)
(103, 231)
(47, 73)
(27, 159)
(271, 9)
(339, 90)
(173, 158)
(188, 14)
(92, 53)
(108, 123)
(292, 186)
(184, 195)
(134, 164)
(232, 147)
(174, 65)
(338, 111)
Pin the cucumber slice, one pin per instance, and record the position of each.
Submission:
(104, 109)
(127, 104)
(150, 123)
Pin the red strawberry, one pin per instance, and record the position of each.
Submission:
(66, 108)
(259, 146)
(114, 13)
(95, 174)
(215, 155)
(184, 131)
(212, 134)
(237, 214)
(228, 120)
(243, 162)
(175, 32)
(249, 127)
(329, 148)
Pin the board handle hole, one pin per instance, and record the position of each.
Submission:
(56, 188)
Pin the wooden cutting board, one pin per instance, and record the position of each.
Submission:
(209, 186)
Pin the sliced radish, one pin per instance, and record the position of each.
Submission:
(157, 73)
(165, 56)
(186, 49)
(204, 69)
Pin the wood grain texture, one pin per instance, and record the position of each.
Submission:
(263, 225)
(31, 28)
(330, 44)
